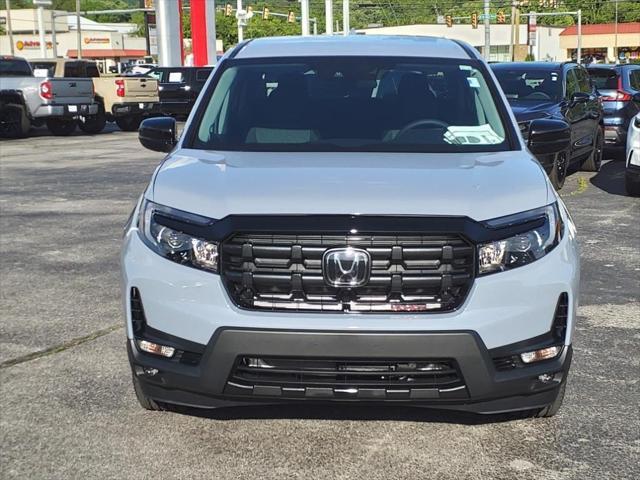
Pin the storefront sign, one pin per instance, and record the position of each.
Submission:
(103, 40)
(31, 45)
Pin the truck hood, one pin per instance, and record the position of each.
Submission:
(477, 185)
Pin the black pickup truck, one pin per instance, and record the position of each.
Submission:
(179, 87)
(561, 91)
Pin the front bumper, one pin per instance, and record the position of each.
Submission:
(66, 110)
(485, 390)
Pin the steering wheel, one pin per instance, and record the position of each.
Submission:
(538, 96)
(425, 121)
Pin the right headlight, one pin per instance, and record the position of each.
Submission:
(173, 244)
(523, 248)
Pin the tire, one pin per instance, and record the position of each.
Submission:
(61, 127)
(594, 160)
(16, 123)
(95, 123)
(558, 173)
(632, 185)
(129, 123)
(145, 402)
(551, 409)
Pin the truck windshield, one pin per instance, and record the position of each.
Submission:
(350, 104)
(13, 67)
(529, 85)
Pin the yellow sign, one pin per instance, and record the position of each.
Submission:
(31, 45)
(89, 40)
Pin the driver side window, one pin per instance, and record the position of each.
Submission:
(572, 83)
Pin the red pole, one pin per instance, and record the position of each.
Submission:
(199, 32)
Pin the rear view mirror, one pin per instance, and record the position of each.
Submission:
(158, 134)
(548, 136)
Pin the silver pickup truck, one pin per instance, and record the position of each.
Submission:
(26, 100)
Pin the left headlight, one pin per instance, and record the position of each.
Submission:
(526, 247)
(173, 244)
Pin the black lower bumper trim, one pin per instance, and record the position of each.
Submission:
(485, 390)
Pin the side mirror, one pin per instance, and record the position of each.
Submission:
(636, 97)
(158, 134)
(548, 136)
(580, 97)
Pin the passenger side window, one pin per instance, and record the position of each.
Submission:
(584, 84)
(634, 79)
(572, 83)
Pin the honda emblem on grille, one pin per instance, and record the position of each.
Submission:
(346, 267)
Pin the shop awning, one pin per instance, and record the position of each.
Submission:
(108, 53)
(603, 29)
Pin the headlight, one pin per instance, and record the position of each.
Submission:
(173, 244)
(526, 247)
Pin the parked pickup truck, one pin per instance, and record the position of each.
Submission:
(124, 100)
(179, 87)
(26, 100)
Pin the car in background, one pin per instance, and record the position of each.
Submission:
(619, 90)
(123, 100)
(27, 100)
(557, 91)
(179, 87)
(632, 172)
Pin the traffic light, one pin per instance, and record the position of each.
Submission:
(228, 10)
(265, 13)
(501, 17)
(291, 18)
(449, 20)
(474, 20)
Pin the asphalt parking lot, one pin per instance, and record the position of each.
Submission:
(67, 404)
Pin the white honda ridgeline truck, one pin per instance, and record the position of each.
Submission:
(352, 219)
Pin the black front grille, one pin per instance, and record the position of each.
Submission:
(409, 273)
(308, 377)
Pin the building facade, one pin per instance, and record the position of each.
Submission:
(599, 42)
(110, 45)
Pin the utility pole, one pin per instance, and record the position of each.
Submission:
(512, 48)
(346, 27)
(579, 35)
(79, 33)
(43, 43)
(487, 30)
(54, 39)
(615, 47)
(517, 27)
(328, 15)
(9, 28)
(304, 13)
(240, 27)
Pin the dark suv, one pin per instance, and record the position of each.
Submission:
(179, 87)
(560, 91)
(619, 90)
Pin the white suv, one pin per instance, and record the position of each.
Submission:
(351, 219)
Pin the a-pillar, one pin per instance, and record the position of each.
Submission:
(203, 32)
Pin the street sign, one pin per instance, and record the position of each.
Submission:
(42, 3)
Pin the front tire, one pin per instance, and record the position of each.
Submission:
(551, 409)
(632, 185)
(61, 127)
(594, 160)
(16, 123)
(558, 173)
(130, 123)
(95, 123)
(145, 402)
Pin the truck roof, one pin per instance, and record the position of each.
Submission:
(355, 45)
